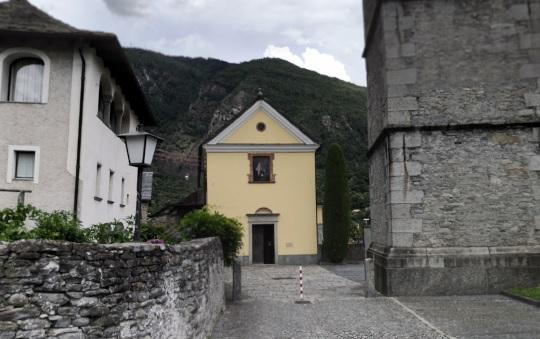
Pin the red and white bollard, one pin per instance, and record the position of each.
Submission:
(301, 282)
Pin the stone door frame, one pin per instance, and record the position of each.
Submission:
(271, 220)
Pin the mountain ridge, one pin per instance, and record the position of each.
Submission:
(192, 98)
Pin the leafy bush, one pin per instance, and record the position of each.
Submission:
(169, 235)
(203, 223)
(58, 225)
(12, 222)
(336, 209)
(356, 233)
(357, 224)
(151, 231)
(112, 232)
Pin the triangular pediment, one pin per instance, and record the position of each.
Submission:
(261, 124)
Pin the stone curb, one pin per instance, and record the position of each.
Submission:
(520, 298)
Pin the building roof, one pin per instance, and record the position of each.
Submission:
(19, 18)
(259, 98)
(260, 105)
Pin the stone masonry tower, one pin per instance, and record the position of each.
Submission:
(454, 144)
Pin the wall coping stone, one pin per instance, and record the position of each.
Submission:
(41, 245)
(392, 129)
(405, 252)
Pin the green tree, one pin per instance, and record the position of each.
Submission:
(337, 206)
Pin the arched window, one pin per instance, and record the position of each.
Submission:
(104, 99)
(125, 122)
(114, 118)
(24, 75)
(101, 103)
(25, 80)
(116, 114)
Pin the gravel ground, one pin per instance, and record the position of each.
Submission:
(338, 308)
(478, 317)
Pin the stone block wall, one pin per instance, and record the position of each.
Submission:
(379, 195)
(478, 187)
(376, 81)
(454, 144)
(439, 63)
(63, 290)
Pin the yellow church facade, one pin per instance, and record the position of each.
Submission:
(260, 170)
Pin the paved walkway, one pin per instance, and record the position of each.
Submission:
(339, 310)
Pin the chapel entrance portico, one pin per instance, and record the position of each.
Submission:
(263, 236)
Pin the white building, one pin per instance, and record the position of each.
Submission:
(65, 95)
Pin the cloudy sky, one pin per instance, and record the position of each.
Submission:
(322, 35)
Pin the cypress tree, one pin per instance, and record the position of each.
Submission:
(336, 209)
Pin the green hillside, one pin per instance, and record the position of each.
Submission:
(193, 97)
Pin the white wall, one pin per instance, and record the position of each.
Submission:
(44, 126)
(53, 127)
(101, 145)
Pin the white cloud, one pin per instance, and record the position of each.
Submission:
(283, 53)
(298, 37)
(156, 7)
(127, 7)
(231, 30)
(311, 59)
(192, 45)
(197, 3)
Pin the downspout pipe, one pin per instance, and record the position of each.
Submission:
(199, 166)
(201, 176)
(79, 134)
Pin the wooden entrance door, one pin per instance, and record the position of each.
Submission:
(263, 248)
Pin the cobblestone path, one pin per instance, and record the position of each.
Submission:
(339, 310)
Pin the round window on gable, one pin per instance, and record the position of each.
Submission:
(261, 127)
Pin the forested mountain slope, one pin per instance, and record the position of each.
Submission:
(193, 97)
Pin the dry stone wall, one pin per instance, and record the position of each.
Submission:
(52, 289)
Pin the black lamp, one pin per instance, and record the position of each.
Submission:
(140, 147)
